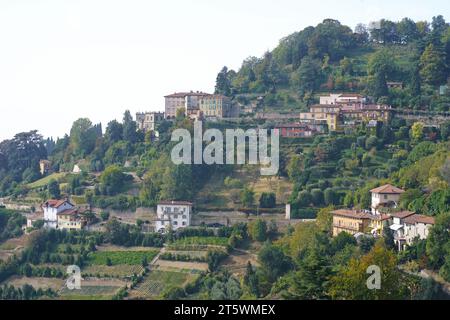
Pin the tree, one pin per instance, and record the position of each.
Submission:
(417, 131)
(267, 200)
(388, 236)
(330, 197)
(247, 197)
(104, 215)
(433, 68)
(251, 280)
(350, 283)
(304, 198)
(83, 136)
(273, 261)
(438, 240)
(407, 30)
(445, 130)
(112, 180)
(223, 83)
(53, 189)
(258, 230)
(308, 76)
(114, 132)
(129, 128)
(311, 280)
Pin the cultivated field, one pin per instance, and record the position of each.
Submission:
(121, 257)
(116, 271)
(157, 281)
(37, 283)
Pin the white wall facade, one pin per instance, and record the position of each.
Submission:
(172, 216)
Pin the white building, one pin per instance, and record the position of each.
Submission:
(147, 121)
(408, 226)
(385, 196)
(51, 209)
(173, 215)
(345, 99)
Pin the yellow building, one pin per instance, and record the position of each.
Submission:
(71, 219)
(215, 105)
(377, 223)
(330, 114)
(350, 221)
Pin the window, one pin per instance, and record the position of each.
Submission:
(385, 197)
(184, 223)
(175, 216)
(175, 223)
(184, 216)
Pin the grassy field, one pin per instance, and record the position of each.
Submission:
(44, 181)
(116, 271)
(157, 281)
(216, 241)
(121, 257)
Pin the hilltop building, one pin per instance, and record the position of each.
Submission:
(44, 167)
(147, 121)
(340, 110)
(185, 101)
(172, 215)
(215, 105)
(386, 196)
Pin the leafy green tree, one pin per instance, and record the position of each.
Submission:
(438, 240)
(417, 131)
(223, 83)
(273, 261)
(258, 230)
(247, 197)
(251, 280)
(267, 200)
(83, 136)
(304, 198)
(308, 76)
(432, 65)
(53, 189)
(129, 128)
(311, 280)
(114, 132)
(350, 282)
(113, 180)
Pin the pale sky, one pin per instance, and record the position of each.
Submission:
(62, 60)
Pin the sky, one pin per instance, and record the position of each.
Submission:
(61, 60)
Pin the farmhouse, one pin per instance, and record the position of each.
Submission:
(61, 214)
(385, 196)
(172, 215)
(408, 226)
(295, 130)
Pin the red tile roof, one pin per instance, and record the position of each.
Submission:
(381, 217)
(419, 218)
(55, 203)
(68, 212)
(402, 214)
(352, 214)
(387, 188)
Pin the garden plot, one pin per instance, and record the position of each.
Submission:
(115, 271)
(158, 280)
(36, 282)
(93, 289)
(181, 265)
(121, 257)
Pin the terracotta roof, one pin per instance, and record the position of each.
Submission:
(183, 203)
(381, 217)
(68, 212)
(352, 214)
(387, 188)
(55, 203)
(402, 214)
(419, 218)
(184, 94)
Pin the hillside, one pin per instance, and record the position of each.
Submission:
(331, 57)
